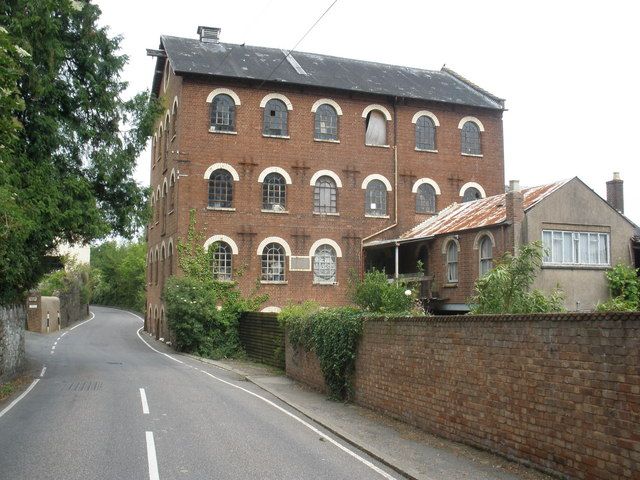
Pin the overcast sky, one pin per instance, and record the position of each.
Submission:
(569, 70)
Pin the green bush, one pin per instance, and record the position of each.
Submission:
(506, 288)
(624, 286)
(203, 313)
(374, 293)
(333, 335)
(74, 277)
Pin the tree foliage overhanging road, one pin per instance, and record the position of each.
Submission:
(66, 160)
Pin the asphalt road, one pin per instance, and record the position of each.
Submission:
(85, 418)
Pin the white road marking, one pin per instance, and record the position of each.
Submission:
(53, 348)
(93, 315)
(55, 343)
(44, 369)
(286, 412)
(145, 405)
(151, 457)
(24, 394)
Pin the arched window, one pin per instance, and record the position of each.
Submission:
(470, 137)
(275, 118)
(165, 146)
(274, 193)
(170, 259)
(172, 192)
(376, 128)
(426, 199)
(160, 144)
(165, 194)
(452, 262)
(157, 263)
(223, 114)
(222, 261)
(486, 255)
(324, 264)
(272, 262)
(220, 189)
(376, 198)
(150, 268)
(425, 133)
(326, 123)
(325, 195)
(471, 194)
(174, 124)
(163, 255)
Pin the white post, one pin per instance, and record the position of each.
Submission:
(397, 273)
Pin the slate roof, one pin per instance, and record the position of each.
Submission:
(191, 56)
(484, 212)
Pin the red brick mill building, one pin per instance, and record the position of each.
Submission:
(295, 162)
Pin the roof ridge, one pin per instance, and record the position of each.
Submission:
(472, 85)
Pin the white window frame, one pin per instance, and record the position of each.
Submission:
(576, 247)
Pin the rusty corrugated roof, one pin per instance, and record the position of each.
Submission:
(476, 214)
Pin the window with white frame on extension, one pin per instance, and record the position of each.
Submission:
(486, 255)
(575, 248)
(452, 262)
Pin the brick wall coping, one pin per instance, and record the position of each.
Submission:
(528, 317)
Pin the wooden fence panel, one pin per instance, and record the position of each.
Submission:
(262, 337)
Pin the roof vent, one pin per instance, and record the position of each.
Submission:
(209, 34)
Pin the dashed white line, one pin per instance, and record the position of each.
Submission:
(151, 457)
(24, 394)
(53, 348)
(143, 399)
(44, 369)
(55, 343)
(286, 412)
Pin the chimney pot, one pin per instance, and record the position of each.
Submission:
(514, 185)
(209, 34)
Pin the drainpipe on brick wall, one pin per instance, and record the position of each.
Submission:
(395, 190)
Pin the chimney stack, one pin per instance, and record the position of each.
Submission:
(615, 193)
(209, 34)
(514, 185)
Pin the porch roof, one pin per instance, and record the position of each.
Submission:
(459, 217)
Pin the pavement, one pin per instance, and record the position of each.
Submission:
(410, 451)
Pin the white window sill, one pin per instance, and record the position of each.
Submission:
(425, 150)
(450, 285)
(275, 136)
(376, 216)
(264, 210)
(170, 212)
(325, 140)
(327, 214)
(222, 209)
(477, 155)
(574, 266)
(213, 130)
(267, 282)
(156, 223)
(173, 138)
(377, 146)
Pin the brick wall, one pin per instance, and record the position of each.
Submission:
(560, 392)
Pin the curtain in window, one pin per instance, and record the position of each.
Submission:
(452, 262)
(376, 129)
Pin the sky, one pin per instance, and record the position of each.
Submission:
(569, 70)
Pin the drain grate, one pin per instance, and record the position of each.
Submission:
(84, 386)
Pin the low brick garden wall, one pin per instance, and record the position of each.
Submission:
(560, 392)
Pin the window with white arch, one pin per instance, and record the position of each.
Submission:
(452, 262)
(274, 193)
(376, 198)
(486, 255)
(273, 263)
(471, 194)
(275, 119)
(426, 199)
(325, 265)
(470, 139)
(220, 189)
(222, 261)
(325, 195)
(326, 123)
(375, 128)
(425, 133)
(223, 114)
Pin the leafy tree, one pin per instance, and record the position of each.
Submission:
(65, 162)
(118, 274)
(624, 286)
(506, 288)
